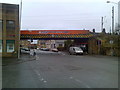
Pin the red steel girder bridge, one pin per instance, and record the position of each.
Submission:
(55, 34)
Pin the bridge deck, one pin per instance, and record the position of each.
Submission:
(55, 34)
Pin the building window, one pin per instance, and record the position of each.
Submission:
(0, 45)
(10, 45)
(60, 45)
(10, 25)
(1, 25)
(8, 11)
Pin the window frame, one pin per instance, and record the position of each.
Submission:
(1, 26)
(60, 45)
(10, 27)
(8, 46)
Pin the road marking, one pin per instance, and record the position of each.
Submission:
(39, 76)
(87, 86)
(44, 81)
(82, 83)
(37, 73)
(71, 77)
(37, 57)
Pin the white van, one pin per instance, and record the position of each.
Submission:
(75, 50)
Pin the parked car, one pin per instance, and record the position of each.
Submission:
(75, 50)
(44, 49)
(55, 50)
(25, 50)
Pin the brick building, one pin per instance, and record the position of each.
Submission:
(9, 30)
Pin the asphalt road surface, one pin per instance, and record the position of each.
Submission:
(60, 70)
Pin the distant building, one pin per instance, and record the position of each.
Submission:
(59, 43)
(119, 15)
(50, 43)
(43, 44)
(25, 43)
(9, 30)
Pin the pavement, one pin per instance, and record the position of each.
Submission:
(60, 70)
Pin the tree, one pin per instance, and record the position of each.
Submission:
(68, 43)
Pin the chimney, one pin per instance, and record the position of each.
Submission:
(93, 30)
(103, 31)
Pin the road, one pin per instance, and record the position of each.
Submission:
(58, 70)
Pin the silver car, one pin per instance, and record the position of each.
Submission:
(25, 50)
(75, 50)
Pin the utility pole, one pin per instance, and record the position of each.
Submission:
(112, 19)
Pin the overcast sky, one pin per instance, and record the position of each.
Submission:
(65, 14)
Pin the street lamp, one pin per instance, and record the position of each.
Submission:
(20, 15)
(112, 15)
(111, 2)
(102, 23)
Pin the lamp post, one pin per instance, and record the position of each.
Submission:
(102, 23)
(112, 15)
(112, 19)
(111, 2)
(20, 15)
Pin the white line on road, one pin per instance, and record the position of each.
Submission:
(44, 81)
(37, 73)
(82, 83)
(37, 57)
(39, 76)
(71, 77)
(87, 86)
